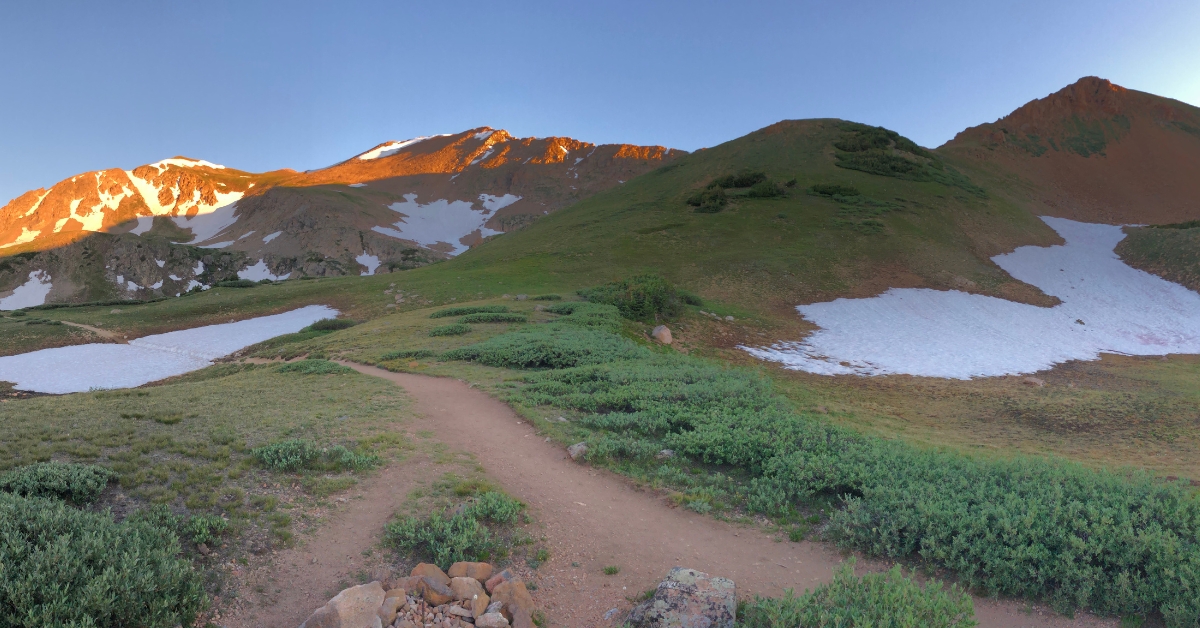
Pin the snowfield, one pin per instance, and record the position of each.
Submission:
(444, 221)
(32, 292)
(1107, 307)
(84, 367)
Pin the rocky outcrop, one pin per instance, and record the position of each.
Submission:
(688, 599)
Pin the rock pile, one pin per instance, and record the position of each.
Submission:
(468, 596)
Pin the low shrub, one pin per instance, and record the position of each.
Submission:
(297, 454)
(743, 179)
(643, 298)
(235, 283)
(708, 200)
(457, 329)
(18, 313)
(463, 310)
(547, 346)
(834, 189)
(494, 317)
(78, 483)
(599, 316)
(314, 366)
(407, 354)
(877, 599)
(330, 324)
(462, 536)
(546, 297)
(205, 528)
(66, 567)
(765, 189)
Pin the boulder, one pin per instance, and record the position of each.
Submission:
(478, 571)
(688, 599)
(429, 570)
(479, 604)
(466, 588)
(434, 592)
(408, 583)
(389, 608)
(491, 620)
(503, 576)
(577, 450)
(355, 607)
(517, 603)
(662, 333)
(396, 593)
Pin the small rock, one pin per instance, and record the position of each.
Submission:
(356, 606)
(465, 588)
(688, 598)
(662, 333)
(729, 318)
(665, 454)
(478, 571)
(1034, 381)
(203, 549)
(429, 570)
(435, 592)
(610, 613)
(494, 607)
(577, 450)
(406, 623)
(398, 593)
(408, 583)
(491, 620)
(459, 611)
(389, 609)
(522, 297)
(494, 581)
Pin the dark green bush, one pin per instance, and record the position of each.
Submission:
(205, 528)
(494, 317)
(743, 179)
(235, 283)
(457, 329)
(448, 539)
(330, 324)
(17, 313)
(546, 297)
(463, 310)
(547, 346)
(708, 200)
(313, 366)
(834, 189)
(79, 483)
(877, 599)
(765, 189)
(66, 567)
(645, 298)
(590, 315)
(407, 354)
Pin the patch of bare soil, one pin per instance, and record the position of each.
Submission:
(592, 519)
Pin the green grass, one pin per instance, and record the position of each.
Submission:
(314, 367)
(612, 570)
(879, 599)
(493, 317)
(456, 329)
(469, 309)
(476, 529)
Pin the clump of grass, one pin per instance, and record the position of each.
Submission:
(546, 297)
(709, 200)
(407, 354)
(612, 570)
(464, 535)
(878, 599)
(314, 367)
(205, 528)
(464, 310)
(834, 189)
(744, 179)
(235, 283)
(126, 574)
(643, 298)
(547, 346)
(494, 317)
(297, 454)
(765, 189)
(330, 324)
(78, 483)
(599, 316)
(457, 329)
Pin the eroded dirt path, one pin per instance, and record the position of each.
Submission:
(593, 519)
(103, 333)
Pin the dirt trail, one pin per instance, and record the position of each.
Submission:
(103, 333)
(595, 519)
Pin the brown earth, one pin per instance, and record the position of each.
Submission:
(589, 517)
(1095, 152)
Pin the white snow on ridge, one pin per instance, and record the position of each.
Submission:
(357, 185)
(483, 135)
(207, 225)
(32, 292)
(84, 367)
(186, 163)
(271, 236)
(26, 236)
(443, 221)
(144, 224)
(391, 148)
(1107, 307)
(370, 261)
(258, 272)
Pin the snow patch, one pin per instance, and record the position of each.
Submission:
(246, 235)
(1107, 307)
(259, 271)
(84, 367)
(160, 263)
(144, 224)
(358, 185)
(216, 245)
(496, 203)
(442, 221)
(370, 261)
(271, 236)
(186, 163)
(32, 292)
(26, 236)
(391, 148)
(156, 285)
(207, 225)
(483, 135)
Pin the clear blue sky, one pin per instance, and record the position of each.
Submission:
(259, 85)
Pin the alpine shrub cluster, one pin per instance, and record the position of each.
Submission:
(297, 454)
(312, 366)
(463, 310)
(553, 346)
(407, 355)
(877, 150)
(713, 198)
(65, 567)
(78, 483)
(461, 536)
(330, 324)
(877, 599)
(599, 316)
(456, 329)
(833, 189)
(494, 317)
(645, 298)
